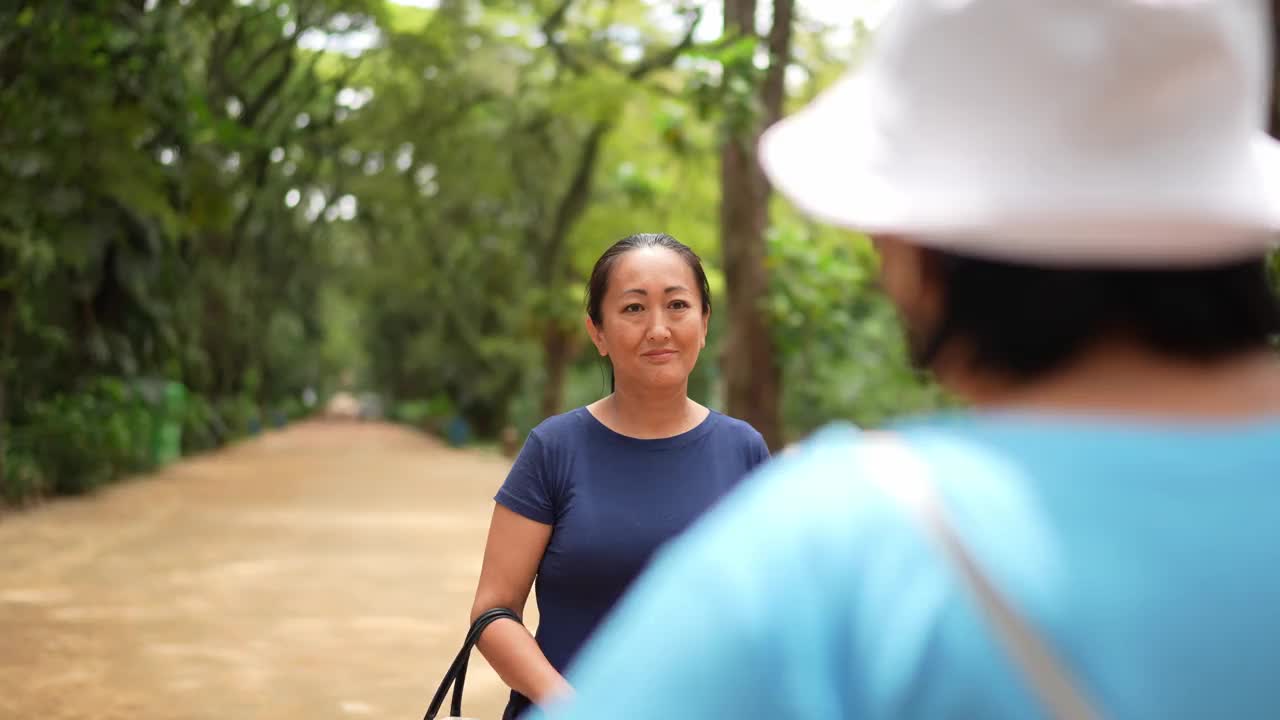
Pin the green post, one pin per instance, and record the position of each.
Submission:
(168, 428)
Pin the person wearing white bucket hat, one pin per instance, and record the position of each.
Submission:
(1073, 200)
(1049, 132)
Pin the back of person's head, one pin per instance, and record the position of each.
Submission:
(1024, 321)
(1065, 174)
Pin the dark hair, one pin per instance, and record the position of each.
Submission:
(598, 283)
(1027, 321)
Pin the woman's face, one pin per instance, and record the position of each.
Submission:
(652, 325)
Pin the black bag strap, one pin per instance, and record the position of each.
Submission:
(456, 676)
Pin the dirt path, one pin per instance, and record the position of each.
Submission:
(324, 571)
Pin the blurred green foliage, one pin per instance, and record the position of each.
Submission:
(145, 158)
(212, 209)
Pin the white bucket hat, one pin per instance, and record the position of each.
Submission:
(1105, 132)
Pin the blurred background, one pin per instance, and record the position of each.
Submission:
(218, 214)
(220, 217)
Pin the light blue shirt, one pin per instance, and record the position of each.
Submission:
(1147, 556)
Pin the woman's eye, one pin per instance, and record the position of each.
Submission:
(633, 307)
(679, 305)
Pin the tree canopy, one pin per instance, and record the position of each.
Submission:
(216, 212)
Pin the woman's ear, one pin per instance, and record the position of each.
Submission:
(706, 324)
(912, 278)
(907, 277)
(597, 337)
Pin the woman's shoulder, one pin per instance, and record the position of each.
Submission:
(564, 430)
(733, 427)
(564, 422)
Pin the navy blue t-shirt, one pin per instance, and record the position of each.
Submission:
(612, 500)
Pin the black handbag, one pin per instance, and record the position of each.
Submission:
(456, 676)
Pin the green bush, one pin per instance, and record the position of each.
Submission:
(292, 409)
(201, 426)
(84, 439)
(412, 412)
(430, 415)
(107, 427)
(839, 341)
(23, 480)
(237, 416)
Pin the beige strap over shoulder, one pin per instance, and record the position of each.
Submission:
(905, 478)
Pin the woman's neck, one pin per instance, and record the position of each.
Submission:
(649, 413)
(1128, 381)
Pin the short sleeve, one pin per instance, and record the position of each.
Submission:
(528, 489)
(758, 450)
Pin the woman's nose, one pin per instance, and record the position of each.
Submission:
(658, 330)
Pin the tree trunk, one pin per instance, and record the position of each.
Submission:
(557, 351)
(8, 317)
(1275, 87)
(558, 347)
(774, 91)
(753, 377)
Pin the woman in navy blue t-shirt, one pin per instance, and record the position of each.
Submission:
(595, 491)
